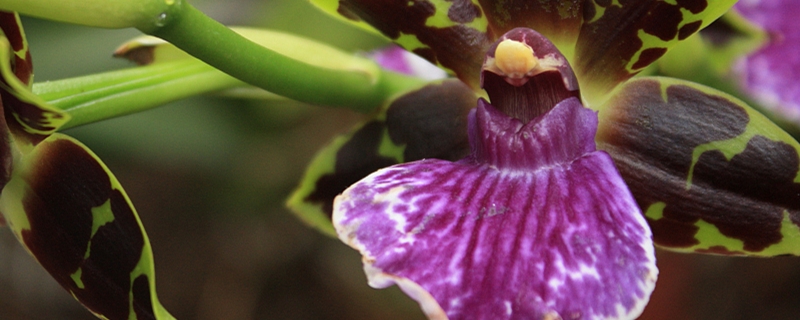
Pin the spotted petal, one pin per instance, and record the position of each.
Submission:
(456, 34)
(712, 174)
(540, 229)
(65, 206)
(607, 41)
(430, 122)
(620, 38)
(74, 218)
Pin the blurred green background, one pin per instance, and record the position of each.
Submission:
(209, 177)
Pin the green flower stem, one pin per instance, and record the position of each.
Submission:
(206, 39)
(97, 97)
(95, 13)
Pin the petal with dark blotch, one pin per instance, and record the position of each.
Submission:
(11, 28)
(72, 215)
(456, 34)
(620, 38)
(710, 173)
(29, 118)
(474, 240)
(344, 161)
(770, 74)
(451, 34)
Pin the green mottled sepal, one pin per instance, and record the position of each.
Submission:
(711, 174)
(608, 41)
(620, 38)
(72, 215)
(455, 34)
(710, 54)
(63, 203)
(426, 123)
(451, 34)
(28, 117)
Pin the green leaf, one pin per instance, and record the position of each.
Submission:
(430, 122)
(711, 174)
(72, 215)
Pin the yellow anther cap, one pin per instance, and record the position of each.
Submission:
(514, 58)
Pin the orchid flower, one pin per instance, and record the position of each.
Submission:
(62, 202)
(472, 239)
(691, 156)
(656, 143)
(689, 160)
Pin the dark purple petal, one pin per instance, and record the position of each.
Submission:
(770, 74)
(548, 233)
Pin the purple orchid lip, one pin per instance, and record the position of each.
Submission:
(535, 224)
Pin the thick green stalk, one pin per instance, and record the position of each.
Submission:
(206, 39)
(95, 13)
(97, 97)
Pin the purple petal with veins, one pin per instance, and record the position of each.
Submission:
(770, 74)
(399, 60)
(535, 224)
